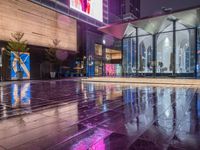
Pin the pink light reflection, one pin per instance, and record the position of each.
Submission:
(93, 142)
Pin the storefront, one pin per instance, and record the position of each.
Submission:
(107, 61)
(104, 55)
(166, 45)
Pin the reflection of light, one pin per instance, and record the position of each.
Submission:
(91, 87)
(129, 95)
(105, 107)
(82, 87)
(100, 145)
(198, 107)
(20, 95)
(14, 96)
(24, 89)
(25, 94)
(99, 100)
(131, 128)
(2, 94)
(4, 107)
(94, 141)
(85, 95)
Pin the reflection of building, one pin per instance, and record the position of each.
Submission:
(161, 45)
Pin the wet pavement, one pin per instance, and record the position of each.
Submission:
(80, 116)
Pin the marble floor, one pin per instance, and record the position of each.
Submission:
(74, 115)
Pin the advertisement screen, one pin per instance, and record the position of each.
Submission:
(23, 65)
(113, 69)
(93, 8)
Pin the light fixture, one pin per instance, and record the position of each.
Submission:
(104, 41)
(166, 10)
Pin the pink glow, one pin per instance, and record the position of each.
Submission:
(93, 142)
(99, 145)
(61, 55)
(110, 70)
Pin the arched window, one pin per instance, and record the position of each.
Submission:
(185, 50)
(164, 53)
(145, 54)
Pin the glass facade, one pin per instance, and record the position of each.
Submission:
(129, 56)
(185, 51)
(145, 54)
(169, 52)
(164, 53)
(198, 53)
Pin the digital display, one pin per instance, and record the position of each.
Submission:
(113, 69)
(23, 66)
(93, 8)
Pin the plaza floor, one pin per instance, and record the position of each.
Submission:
(75, 115)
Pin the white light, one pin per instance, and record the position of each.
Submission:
(167, 41)
(167, 113)
(104, 41)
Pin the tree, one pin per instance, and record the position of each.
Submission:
(52, 59)
(17, 46)
(51, 52)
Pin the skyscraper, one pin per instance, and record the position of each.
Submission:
(123, 10)
(130, 9)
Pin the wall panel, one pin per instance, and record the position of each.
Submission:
(40, 25)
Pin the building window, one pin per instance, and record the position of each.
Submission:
(145, 54)
(129, 56)
(185, 51)
(164, 53)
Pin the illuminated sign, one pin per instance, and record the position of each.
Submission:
(113, 69)
(92, 8)
(24, 65)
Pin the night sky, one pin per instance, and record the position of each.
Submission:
(150, 7)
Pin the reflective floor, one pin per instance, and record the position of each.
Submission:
(80, 116)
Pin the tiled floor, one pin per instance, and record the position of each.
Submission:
(79, 116)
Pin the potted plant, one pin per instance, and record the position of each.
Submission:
(17, 46)
(51, 57)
